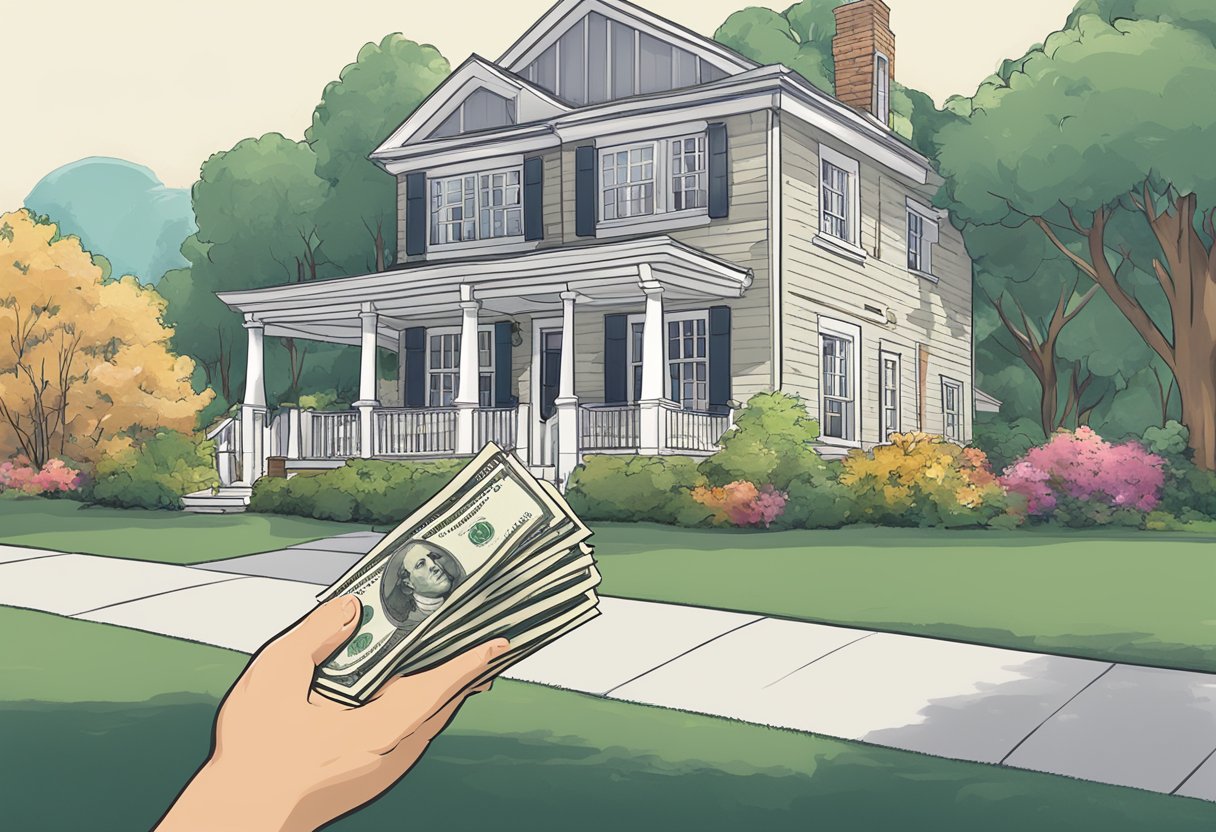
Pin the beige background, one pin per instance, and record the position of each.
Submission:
(166, 83)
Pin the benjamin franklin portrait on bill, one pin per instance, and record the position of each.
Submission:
(419, 577)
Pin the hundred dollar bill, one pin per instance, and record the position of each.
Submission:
(492, 520)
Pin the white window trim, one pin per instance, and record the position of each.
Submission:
(456, 330)
(668, 318)
(660, 217)
(931, 224)
(885, 430)
(849, 248)
(842, 329)
(958, 398)
(465, 246)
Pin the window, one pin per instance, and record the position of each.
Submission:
(657, 177)
(481, 206)
(839, 345)
(952, 410)
(687, 344)
(889, 394)
(835, 217)
(480, 111)
(443, 367)
(922, 235)
(882, 88)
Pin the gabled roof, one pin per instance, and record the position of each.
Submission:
(532, 103)
(566, 13)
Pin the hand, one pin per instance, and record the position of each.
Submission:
(286, 758)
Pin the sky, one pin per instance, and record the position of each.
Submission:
(166, 83)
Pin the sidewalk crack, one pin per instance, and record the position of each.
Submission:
(817, 658)
(156, 595)
(615, 688)
(1056, 711)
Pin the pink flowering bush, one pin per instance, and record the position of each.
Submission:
(1081, 479)
(55, 476)
(741, 503)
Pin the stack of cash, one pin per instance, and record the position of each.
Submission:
(496, 553)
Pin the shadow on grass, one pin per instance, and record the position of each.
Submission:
(117, 766)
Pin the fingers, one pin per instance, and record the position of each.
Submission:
(404, 704)
(296, 654)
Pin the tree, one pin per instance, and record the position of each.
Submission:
(83, 360)
(370, 99)
(1098, 139)
(801, 39)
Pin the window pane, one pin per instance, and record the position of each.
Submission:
(622, 60)
(572, 76)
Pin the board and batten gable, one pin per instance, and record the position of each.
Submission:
(819, 283)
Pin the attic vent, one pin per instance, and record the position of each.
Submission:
(873, 309)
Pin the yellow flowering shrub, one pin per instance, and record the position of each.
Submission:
(922, 480)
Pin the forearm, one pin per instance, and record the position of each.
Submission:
(221, 798)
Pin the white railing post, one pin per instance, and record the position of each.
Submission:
(523, 431)
(467, 392)
(253, 406)
(293, 433)
(566, 402)
(650, 409)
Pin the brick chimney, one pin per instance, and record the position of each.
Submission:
(864, 51)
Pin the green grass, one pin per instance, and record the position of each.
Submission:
(1141, 597)
(88, 746)
(167, 536)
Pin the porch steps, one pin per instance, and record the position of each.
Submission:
(229, 499)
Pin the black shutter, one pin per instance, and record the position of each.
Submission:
(502, 365)
(415, 213)
(534, 199)
(584, 191)
(719, 172)
(616, 359)
(415, 367)
(719, 358)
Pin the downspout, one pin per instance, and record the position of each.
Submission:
(775, 239)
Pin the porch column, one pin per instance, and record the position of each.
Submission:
(566, 403)
(467, 397)
(369, 321)
(253, 405)
(650, 404)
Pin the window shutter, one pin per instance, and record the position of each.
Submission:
(719, 172)
(415, 367)
(502, 365)
(585, 187)
(719, 358)
(534, 196)
(616, 359)
(415, 213)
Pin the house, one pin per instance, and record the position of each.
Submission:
(638, 229)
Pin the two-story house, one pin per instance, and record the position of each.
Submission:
(630, 229)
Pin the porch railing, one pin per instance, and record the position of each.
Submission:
(497, 425)
(694, 430)
(610, 427)
(333, 435)
(402, 431)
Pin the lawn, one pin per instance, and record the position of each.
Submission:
(122, 742)
(1117, 595)
(1107, 594)
(167, 536)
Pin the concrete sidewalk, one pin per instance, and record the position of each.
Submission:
(1122, 724)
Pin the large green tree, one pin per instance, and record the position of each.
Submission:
(801, 38)
(370, 99)
(1098, 139)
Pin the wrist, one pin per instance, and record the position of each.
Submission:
(225, 796)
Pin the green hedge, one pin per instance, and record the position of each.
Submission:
(363, 490)
(628, 488)
(154, 473)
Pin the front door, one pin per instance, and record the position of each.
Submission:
(547, 369)
(550, 371)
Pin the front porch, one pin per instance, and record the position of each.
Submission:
(659, 383)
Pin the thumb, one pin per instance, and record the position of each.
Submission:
(321, 632)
